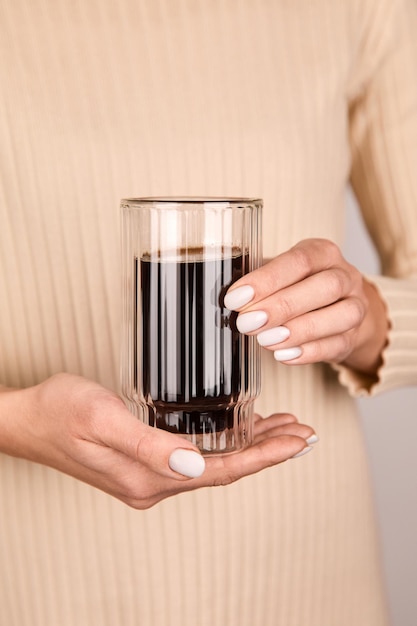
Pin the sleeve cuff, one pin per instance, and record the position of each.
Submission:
(399, 359)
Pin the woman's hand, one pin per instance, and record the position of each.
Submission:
(84, 430)
(309, 305)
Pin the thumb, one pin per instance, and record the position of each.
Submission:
(161, 451)
(187, 462)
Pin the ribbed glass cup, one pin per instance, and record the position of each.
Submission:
(185, 368)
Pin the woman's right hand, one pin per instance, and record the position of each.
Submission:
(82, 429)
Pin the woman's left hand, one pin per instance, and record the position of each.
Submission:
(309, 304)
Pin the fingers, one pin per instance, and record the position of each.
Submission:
(338, 318)
(334, 349)
(320, 335)
(277, 439)
(262, 425)
(305, 259)
(314, 293)
(264, 453)
(307, 305)
(282, 424)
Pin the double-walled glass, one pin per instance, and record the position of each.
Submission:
(185, 367)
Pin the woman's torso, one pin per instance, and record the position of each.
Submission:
(109, 100)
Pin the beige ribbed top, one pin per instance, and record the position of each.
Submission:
(279, 99)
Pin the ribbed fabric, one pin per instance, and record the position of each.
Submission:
(273, 99)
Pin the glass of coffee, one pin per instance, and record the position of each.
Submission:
(185, 366)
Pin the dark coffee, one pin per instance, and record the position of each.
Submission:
(192, 366)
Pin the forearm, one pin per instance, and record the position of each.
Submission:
(14, 405)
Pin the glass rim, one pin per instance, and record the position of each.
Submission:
(176, 201)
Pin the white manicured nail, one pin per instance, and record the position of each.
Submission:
(238, 297)
(312, 439)
(273, 335)
(248, 322)
(187, 462)
(287, 354)
(302, 453)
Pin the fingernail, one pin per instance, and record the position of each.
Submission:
(287, 354)
(238, 297)
(248, 322)
(302, 453)
(187, 462)
(273, 335)
(312, 439)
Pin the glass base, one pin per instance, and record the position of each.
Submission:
(215, 431)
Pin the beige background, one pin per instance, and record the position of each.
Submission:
(390, 427)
